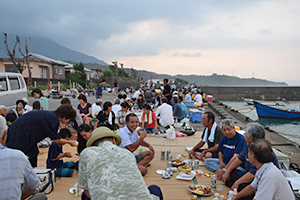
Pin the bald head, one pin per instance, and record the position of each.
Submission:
(99, 102)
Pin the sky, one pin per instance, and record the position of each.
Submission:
(244, 38)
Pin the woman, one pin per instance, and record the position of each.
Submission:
(38, 94)
(19, 110)
(27, 131)
(85, 109)
(120, 119)
(140, 102)
(106, 117)
(149, 120)
(84, 135)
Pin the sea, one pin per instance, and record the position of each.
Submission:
(287, 128)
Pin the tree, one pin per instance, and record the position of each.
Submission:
(18, 62)
(180, 81)
(108, 73)
(133, 73)
(25, 56)
(79, 75)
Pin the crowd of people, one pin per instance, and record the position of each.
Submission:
(109, 161)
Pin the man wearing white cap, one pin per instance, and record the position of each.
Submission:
(109, 172)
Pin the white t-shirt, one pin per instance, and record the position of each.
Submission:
(115, 108)
(188, 97)
(198, 98)
(166, 114)
(270, 184)
(136, 94)
(95, 109)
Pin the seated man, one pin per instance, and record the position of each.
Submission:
(231, 145)
(109, 172)
(131, 141)
(177, 109)
(212, 135)
(235, 178)
(198, 98)
(18, 180)
(120, 118)
(269, 182)
(115, 108)
(96, 107)
(183, 106)
(166, 113)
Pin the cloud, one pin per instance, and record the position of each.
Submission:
(265, 31)
(177, 54)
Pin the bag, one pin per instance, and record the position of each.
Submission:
(171, 133)
(47, 179)
(189, 131)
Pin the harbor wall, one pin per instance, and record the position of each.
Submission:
(258, 93)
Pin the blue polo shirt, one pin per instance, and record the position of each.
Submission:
(232, 146)
(184, 109)
(128, 138)
(243, 156)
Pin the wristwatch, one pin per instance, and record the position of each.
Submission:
(224, 169)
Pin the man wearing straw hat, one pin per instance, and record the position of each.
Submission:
(109, 172)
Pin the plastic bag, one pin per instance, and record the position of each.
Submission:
(171, 133)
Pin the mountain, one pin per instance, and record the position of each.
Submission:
(51, 49)
(201, 80)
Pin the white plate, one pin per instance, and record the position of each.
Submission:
(80, 191)
(184, 174)
(161, 172)
(188, 178)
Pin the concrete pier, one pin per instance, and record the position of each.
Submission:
(278, 142)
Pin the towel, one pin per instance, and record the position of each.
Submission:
(150, 117)
(212, 133)
(110, 118)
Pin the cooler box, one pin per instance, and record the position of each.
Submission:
(189, 103)
(283, 159)
(195, 115)
(210, 98)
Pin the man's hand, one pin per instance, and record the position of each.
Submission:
(152, 149)
(235, 185)
(202, 156)
(68, 154)
(156, 129)
(219, 174)
(226, 176)
(192, 153)
(222, 165)
(143, 134)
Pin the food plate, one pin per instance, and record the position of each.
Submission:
(79, 191)
(160, 172)
(188, 178)
(177, 163)
(195, 188)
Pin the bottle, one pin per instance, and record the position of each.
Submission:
(230, 195)
(168, 152)
(213, 182)
(162, 154)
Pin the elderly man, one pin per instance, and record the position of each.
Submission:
(166, 113)
(109, 172)
(269, 182)
(96, 107)
(18, 180)
(231, 145)
(115, 108)
(235, 178)
(212, 135)
(131, 141)
(183, 106)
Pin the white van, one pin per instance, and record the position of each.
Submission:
(12, 88)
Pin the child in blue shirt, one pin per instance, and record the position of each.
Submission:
(55, 155)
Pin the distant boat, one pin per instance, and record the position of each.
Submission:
(250, 102)
(266, 111)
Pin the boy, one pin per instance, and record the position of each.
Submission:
(55, 155)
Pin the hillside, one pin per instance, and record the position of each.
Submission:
(51, 49)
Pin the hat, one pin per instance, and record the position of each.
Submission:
(102, 132)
